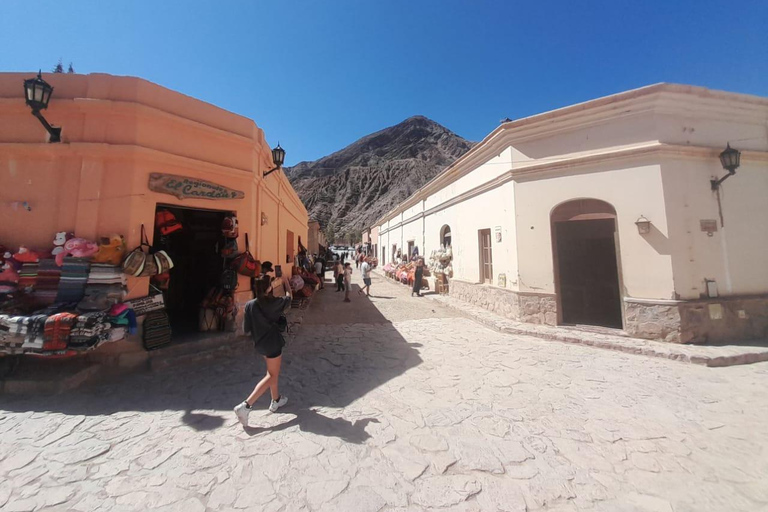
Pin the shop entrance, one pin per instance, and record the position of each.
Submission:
(586, 263)
(195, 251)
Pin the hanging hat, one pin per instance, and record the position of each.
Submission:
(266, 267)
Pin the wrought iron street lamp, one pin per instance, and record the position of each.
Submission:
(730, 159)
(38, 92)
(278, 157)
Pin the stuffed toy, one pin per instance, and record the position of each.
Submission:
(24, 255)
(8, 278)
(59, 240)
(77, 248)
(111, 250)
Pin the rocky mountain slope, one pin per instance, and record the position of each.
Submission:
(355, 186)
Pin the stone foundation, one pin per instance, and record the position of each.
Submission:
(534, 308)
(720, 320)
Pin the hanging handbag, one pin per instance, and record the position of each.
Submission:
(134, 264)
(245, 264)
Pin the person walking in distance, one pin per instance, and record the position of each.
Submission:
(320, 271)
(265, 322)
(347, 280)
(418, 276)
(366, 270)
(339, 276)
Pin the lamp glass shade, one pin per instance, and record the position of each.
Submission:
(730, 159)
(643, 225)
(37, 92)
(278, 156)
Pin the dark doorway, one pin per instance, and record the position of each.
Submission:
(195, 251)
(588, 272)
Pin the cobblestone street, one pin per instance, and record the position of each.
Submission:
(399, 403)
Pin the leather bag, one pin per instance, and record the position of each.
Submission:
(245, 264)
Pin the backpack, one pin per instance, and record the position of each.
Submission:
(228, 280)
(157, 330)
(167, 223)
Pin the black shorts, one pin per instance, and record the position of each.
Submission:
(271, 346)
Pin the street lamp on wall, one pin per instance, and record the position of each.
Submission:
(730, 159)
(278, 157)
(643, 225)
(37, 93)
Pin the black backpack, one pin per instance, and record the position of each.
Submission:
(228, 280)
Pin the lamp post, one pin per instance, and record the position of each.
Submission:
(730, 159)
(278, 157)
(37, 93)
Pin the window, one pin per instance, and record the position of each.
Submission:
(445, 235)
(486, 256)
(289, 247)
(411, 243)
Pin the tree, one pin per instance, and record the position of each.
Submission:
(71, 70)
(59, 67)
(330, 233)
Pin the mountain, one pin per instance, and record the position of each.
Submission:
(353, 187)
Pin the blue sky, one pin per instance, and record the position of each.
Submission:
(317, 75)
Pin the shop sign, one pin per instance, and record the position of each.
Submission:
(185, 187)
(144, 305)
(497, 231)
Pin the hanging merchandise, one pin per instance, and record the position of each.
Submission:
(139, 263)
(229, 227)
(228, 280)
(245, 264)
(229, 249)
(167, 223)
(157, 330)
(134, 263)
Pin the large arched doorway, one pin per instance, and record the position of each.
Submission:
(586, 263)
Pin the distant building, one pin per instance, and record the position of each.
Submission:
(316, 238)
(603, 213)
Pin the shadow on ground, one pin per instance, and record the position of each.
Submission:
(342, 352)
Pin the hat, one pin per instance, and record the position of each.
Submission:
(266, 266)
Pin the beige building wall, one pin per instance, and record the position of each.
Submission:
(649, 152)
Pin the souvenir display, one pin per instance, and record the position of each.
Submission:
(56, 303)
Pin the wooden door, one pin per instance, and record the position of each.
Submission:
(486, 257)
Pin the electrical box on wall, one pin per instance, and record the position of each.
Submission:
(711, 288)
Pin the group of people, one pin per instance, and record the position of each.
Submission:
(342, 274)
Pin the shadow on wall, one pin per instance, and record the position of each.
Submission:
(658, 241)
(327, 365)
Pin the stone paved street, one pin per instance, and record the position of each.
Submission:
(400, 404)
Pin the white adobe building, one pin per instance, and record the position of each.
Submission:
(603, 213)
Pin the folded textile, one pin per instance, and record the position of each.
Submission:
(57, 331)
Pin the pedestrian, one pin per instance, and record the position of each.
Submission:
(320, 271)
(264, 320)
(347, 281)
(418, 275)
(339, 276)
(366, 270)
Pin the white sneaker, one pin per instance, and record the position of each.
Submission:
(242, 411)
(274, 406)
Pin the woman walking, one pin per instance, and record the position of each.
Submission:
(263, 321)
(347, 281)
(339, 273)
(418, 276)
